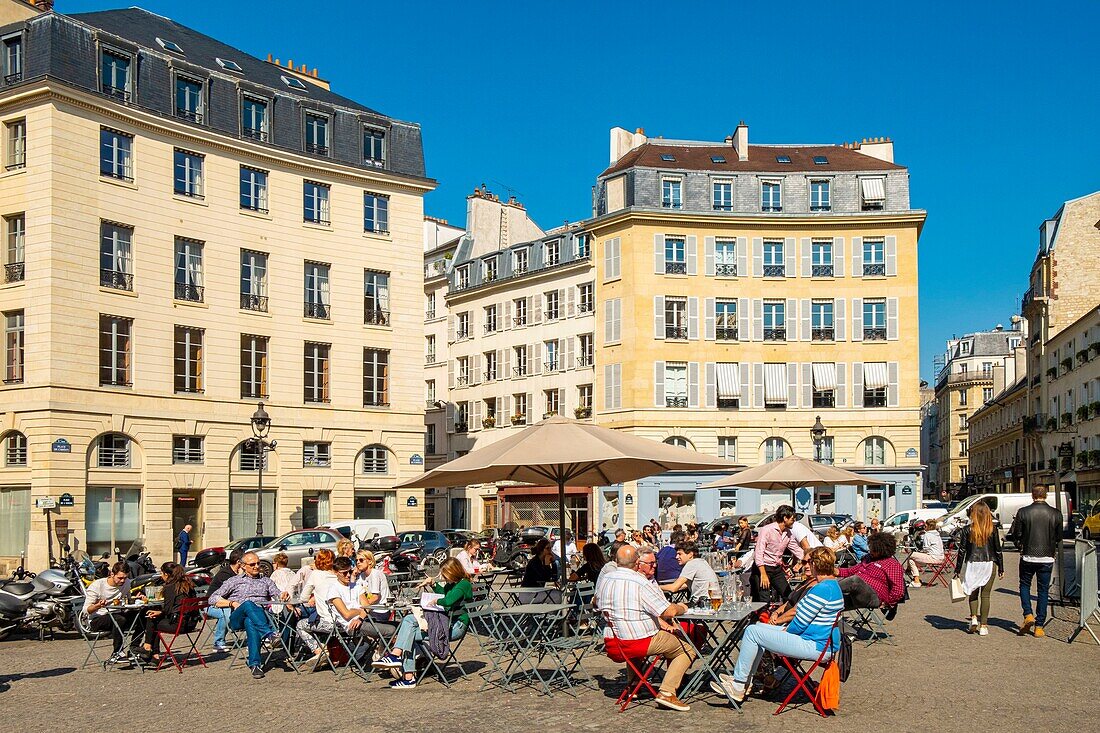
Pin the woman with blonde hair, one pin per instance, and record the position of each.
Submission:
(981, 548)
(832, 538)
(345, 548)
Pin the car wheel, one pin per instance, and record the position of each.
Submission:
(266, 568)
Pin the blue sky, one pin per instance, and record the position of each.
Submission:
(994, 107)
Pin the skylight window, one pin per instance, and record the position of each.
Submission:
(668, 158)
(820, 160)
(170, 46)
(230, 65)
(294, 83)
(717, 159)
(782, 159)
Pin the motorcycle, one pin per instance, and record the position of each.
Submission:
(43, 602)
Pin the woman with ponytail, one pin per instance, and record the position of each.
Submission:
(981, 549)
(178, 586)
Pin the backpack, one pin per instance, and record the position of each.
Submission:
(843, 658)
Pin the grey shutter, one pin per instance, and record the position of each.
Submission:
(608, 385)
(743, 256)
(450, 417)
(658, 384)
(857, 256)
(504, 410)
(839, 317)
(758, 386)
(504, 364)
(450, 374)
(708, 319)
(692, 254)
(892, 386)
(892, 319)
(746, 386)
(708, 256)
(693, 318)
(659, 254)
(658, 316)
(618, 330)
(534, 357)
(571, 301)
(792, 385)
(857, 319)
(608, 320)
(789, 257)
(450, 329)
(757, 319)
(891, 256)
(569, 353)
(711, 399)
(561, 302)
(757, 257)
(475, 369)
(841, 385)
(475, 422)
(807, 384)
(618, 371)
(534, 309)
(790, 319)
(807, 257)
(743, 320)
(857, 384)
(807, 323)
(693, 384)
(618, 255)
(838, 256)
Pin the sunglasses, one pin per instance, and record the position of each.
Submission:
(343, 572)
(647, 562)
(251, 564)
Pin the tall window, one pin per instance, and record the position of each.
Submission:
(15, 449)
(823, 451)
(551, 312)
(586, 343)
(376, 298)
(491, 319)
(116, 256)
(112, 518)
(874, 257)
(519, 409)
(16, 143)
(775, 323)
(821, 320)
(675, 256)
(115, 77)
(727, 447)
(14, 325)
(375, 459)
(553, 252)
(253, 281)
(15, 260)
(489, 269)
(429, 349)
(188, 285)
(462, 325)
(874, 452)
(490, 360)
(462, 276)
(316, 134)
(429, 440)
(770, 196)
(774, 449)
(316, 372)
(585, 297)
(584, 246)
(550, 362)
(429, 390)
(374, 146)
(725, 319)
(253, 189)
(819, 196)
(723, 195)
(519, 307)
(13, 59)
(774, 264)
(116, 158)
(113, 451)
(676, 318)
(429, 307)
(725, 257)
(676, 391)
(187, 174)
(317, 297)
(316, 206)
(189, 99)
(552, 399)
(462, 377)
(115, 351)
(376, 213)
(188, 359)
(254, 119)
(253, 366)
(520, 354)
(376, 378)
(821, 254)
(874, 319)
(584, 400)
(519, 260)
(672, 193)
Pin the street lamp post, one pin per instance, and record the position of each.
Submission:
(817, 435)
(261, 426)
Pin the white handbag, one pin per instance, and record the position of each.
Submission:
(957, 592)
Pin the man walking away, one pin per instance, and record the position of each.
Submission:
(1036, 530)
(183, 543)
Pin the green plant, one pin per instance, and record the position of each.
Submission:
(1052, 423)
(1094, 457)
(1095, 347)
(1052, 373)
(1052, 463)
(1083, 412)
(488, 422)
(582, 412)
(1082, 459)
(1067, 363)
(518, 419)
(1094, 408)
(1067, 418)
(1082, 356)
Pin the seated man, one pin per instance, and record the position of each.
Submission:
(344, 605)
(695, 573)
(668, 567)
(880, 569)
(859, 541)
(221, 615)
(240, 595)
(104, 592)
(641, 619)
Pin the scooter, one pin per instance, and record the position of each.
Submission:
(42, 602)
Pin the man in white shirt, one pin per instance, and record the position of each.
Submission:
(695, 573)
(114, 590)
(804, 536)
(570, 547)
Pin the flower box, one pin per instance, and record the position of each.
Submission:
(1067, 364)
(518, 419)
(1067, 418)
(488, 422)
(1052, 373)
(582, 412)
(1052, 423)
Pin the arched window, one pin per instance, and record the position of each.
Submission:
(113, 451)
(774, 449)
(874, 451)
(375, 459)
(680, 442)
(250, 453)
(15, 449)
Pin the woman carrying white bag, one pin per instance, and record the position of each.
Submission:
(981, 549)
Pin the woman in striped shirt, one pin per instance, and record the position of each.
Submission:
(804, 638)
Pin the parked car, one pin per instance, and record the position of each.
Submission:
(299, 546)
(1090, 528)
(1004, 507)
(899, 523)
(212, 556)
(820, 523)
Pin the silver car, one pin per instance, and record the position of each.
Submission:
(299, 546)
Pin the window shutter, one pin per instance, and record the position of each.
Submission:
(475, 423)
(608, 386)
(450, 374)
(692, 254)
(708, 319)
(757, 319)
(618, 371)
(534, 308)
(450, 329)
(857, 256)
(807, 384)
(658, 316)
(841, 385)
(571, 301)
(807, 324)
(506, 310)
(743, 320)
(534, 356)
(693, 318)
(789, 256)
(659, 254)
(693, 384)
(857, 319)
(561, 302)
(708, 256)
(892, 319)
(838, 256)
(757, 257)
(450, 417)
(839, 317)
(504, 364)
(658, 384)
(711, 398)
(758, 386)
(891, 256)
(790, 319)
(475, 369)
(569, 346)
(746, 385)
(807, 257)
(857, 384)
(792, 385)
(617, 329)
(608, 320)
(743, 256)
(617, 257)
(504, 410)
(892, 387)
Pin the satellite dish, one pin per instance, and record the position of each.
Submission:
(431, 568)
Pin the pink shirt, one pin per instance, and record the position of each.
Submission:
(771, 542)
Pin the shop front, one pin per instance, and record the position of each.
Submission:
(526, 506)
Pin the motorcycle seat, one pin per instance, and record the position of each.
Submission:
(18, 588)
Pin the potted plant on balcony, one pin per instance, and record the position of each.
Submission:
(1067, 364)
(1067, 418)
(1052, 373)
(1094, 457)
(1082, 459)
(1083, 413)
(549, 414)
(582, 412)
(1082, 356)
(518, 419)
(1094, 408)
(488, 422)
(1052, 423)
(1094, 347)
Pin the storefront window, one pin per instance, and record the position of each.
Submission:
(609, 508)
(15, 520)
(242, 513)
(676, 507)
(380, 505)
(112, 518)
(315, 508)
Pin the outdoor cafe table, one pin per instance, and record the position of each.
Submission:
(526, 596)
(130, 631)
(528, 626)
(722, 631)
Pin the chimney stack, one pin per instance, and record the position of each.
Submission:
(740, 141)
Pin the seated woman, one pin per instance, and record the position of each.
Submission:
(933, 551)
(177, 588)
(468, 557)
(457, 591)
(833, 539)
(372, 588)
(594, 561)
(804, 638)
(542, 568)
(880, 569)
(317, 618)
(648, 536)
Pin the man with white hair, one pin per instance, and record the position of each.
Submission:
(241, 594)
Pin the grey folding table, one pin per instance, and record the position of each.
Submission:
(720, 635)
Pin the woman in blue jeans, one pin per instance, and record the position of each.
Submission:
(457, 591)
(804, 638)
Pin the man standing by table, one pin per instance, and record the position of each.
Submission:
(1036, 530)
(241, 594)
(184, 544)
(771, 542)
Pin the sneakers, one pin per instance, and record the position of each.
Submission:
(972, 627)
(389, 661)
(983, 631)
(736, 690)
(915, 584)
(667, 700)
(1027, 625)
(403, 684)
(257, 673)
(220, 649)
(1039, 633)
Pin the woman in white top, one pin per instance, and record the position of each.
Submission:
(933, 551)
(468, 557)
(372, 588)
(311, 626)
(835, 540)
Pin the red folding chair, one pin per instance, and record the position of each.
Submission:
(804, 679)
(943, 572)
(189, 608)
(612, 647)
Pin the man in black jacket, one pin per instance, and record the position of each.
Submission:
(221, 615)
(1036, 531)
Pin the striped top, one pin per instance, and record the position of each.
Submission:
(816, 613)
(632, 602)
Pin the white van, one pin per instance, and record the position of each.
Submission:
(897, 523)
(362, 531)
(1004, 508)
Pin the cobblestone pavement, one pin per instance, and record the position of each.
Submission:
(937, 678)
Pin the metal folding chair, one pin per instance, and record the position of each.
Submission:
(189, 608)
(872, 621)
(803, 678)
(350, 641)
(92, 638)
(633, 664)
(439, 666)
(567, 654)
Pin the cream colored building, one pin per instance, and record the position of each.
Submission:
(998, 448)
(188, 231)
(743, 291)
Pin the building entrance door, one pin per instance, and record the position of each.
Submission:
(429, 514)
(187, 509)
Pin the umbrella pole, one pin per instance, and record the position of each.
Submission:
(563, 576)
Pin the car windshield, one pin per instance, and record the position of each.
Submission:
(962, 507)
(408, 537)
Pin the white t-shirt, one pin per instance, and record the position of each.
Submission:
(374, 583)
(332, 591)
(801, 532)
(570, 550)
(315, 586)
(933, 543)
(701, 576)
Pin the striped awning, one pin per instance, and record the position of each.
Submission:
(874, 375)
(874, 189)
(775, 384)
(729, 381)
(824, 376)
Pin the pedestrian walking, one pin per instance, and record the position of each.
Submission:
(183, 544)
(981, 550)
(1036, 530)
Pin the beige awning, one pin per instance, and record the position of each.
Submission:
(874, 375)
(775, 384)
(824, 376)
(793, 472)
(729, 381)
(874, 189)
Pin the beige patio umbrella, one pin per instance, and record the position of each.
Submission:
(793, 472)
(565, 451)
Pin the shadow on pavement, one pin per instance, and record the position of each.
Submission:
(5, 682)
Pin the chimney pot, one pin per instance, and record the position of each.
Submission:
(289, 64)
(639, 131)
(269, 58)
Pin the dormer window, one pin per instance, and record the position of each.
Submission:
(115, 78)
(374, 146)
(717, 159)
(783, 159)
(189, 99)
(254, 118)
(873, 193)
(316, 134)
(230, 66)
(13, 58)
(170, 46)
(294, 83)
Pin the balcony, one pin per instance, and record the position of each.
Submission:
(14, 272)
(462, 335)
(117, 92)
(874, 334)
(871, 269)
(375, 316)
(490, 375)
(250, 302)
(584, 360)
(676, 332)
(316, 149)
(429, 315)
(821, 271)
(116, 279)
(676, 268)
(189, 292)
(823, 333)
(257, 206)
(14, 78)
(520, 371)
(460, 427)
(317, 310)
(490, 328)
(671, 401)
(584, 307)
(729, 402)
(550, 365)
(725, 270)
(582, 412)
(462, 380)
(189, 114)
(519, 321)
(255, 134)
(726, 333)
(775, 271)
(775, 334)
(518, 419)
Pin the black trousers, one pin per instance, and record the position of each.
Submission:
(778, 580)
(154, 624)
(100, 624)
